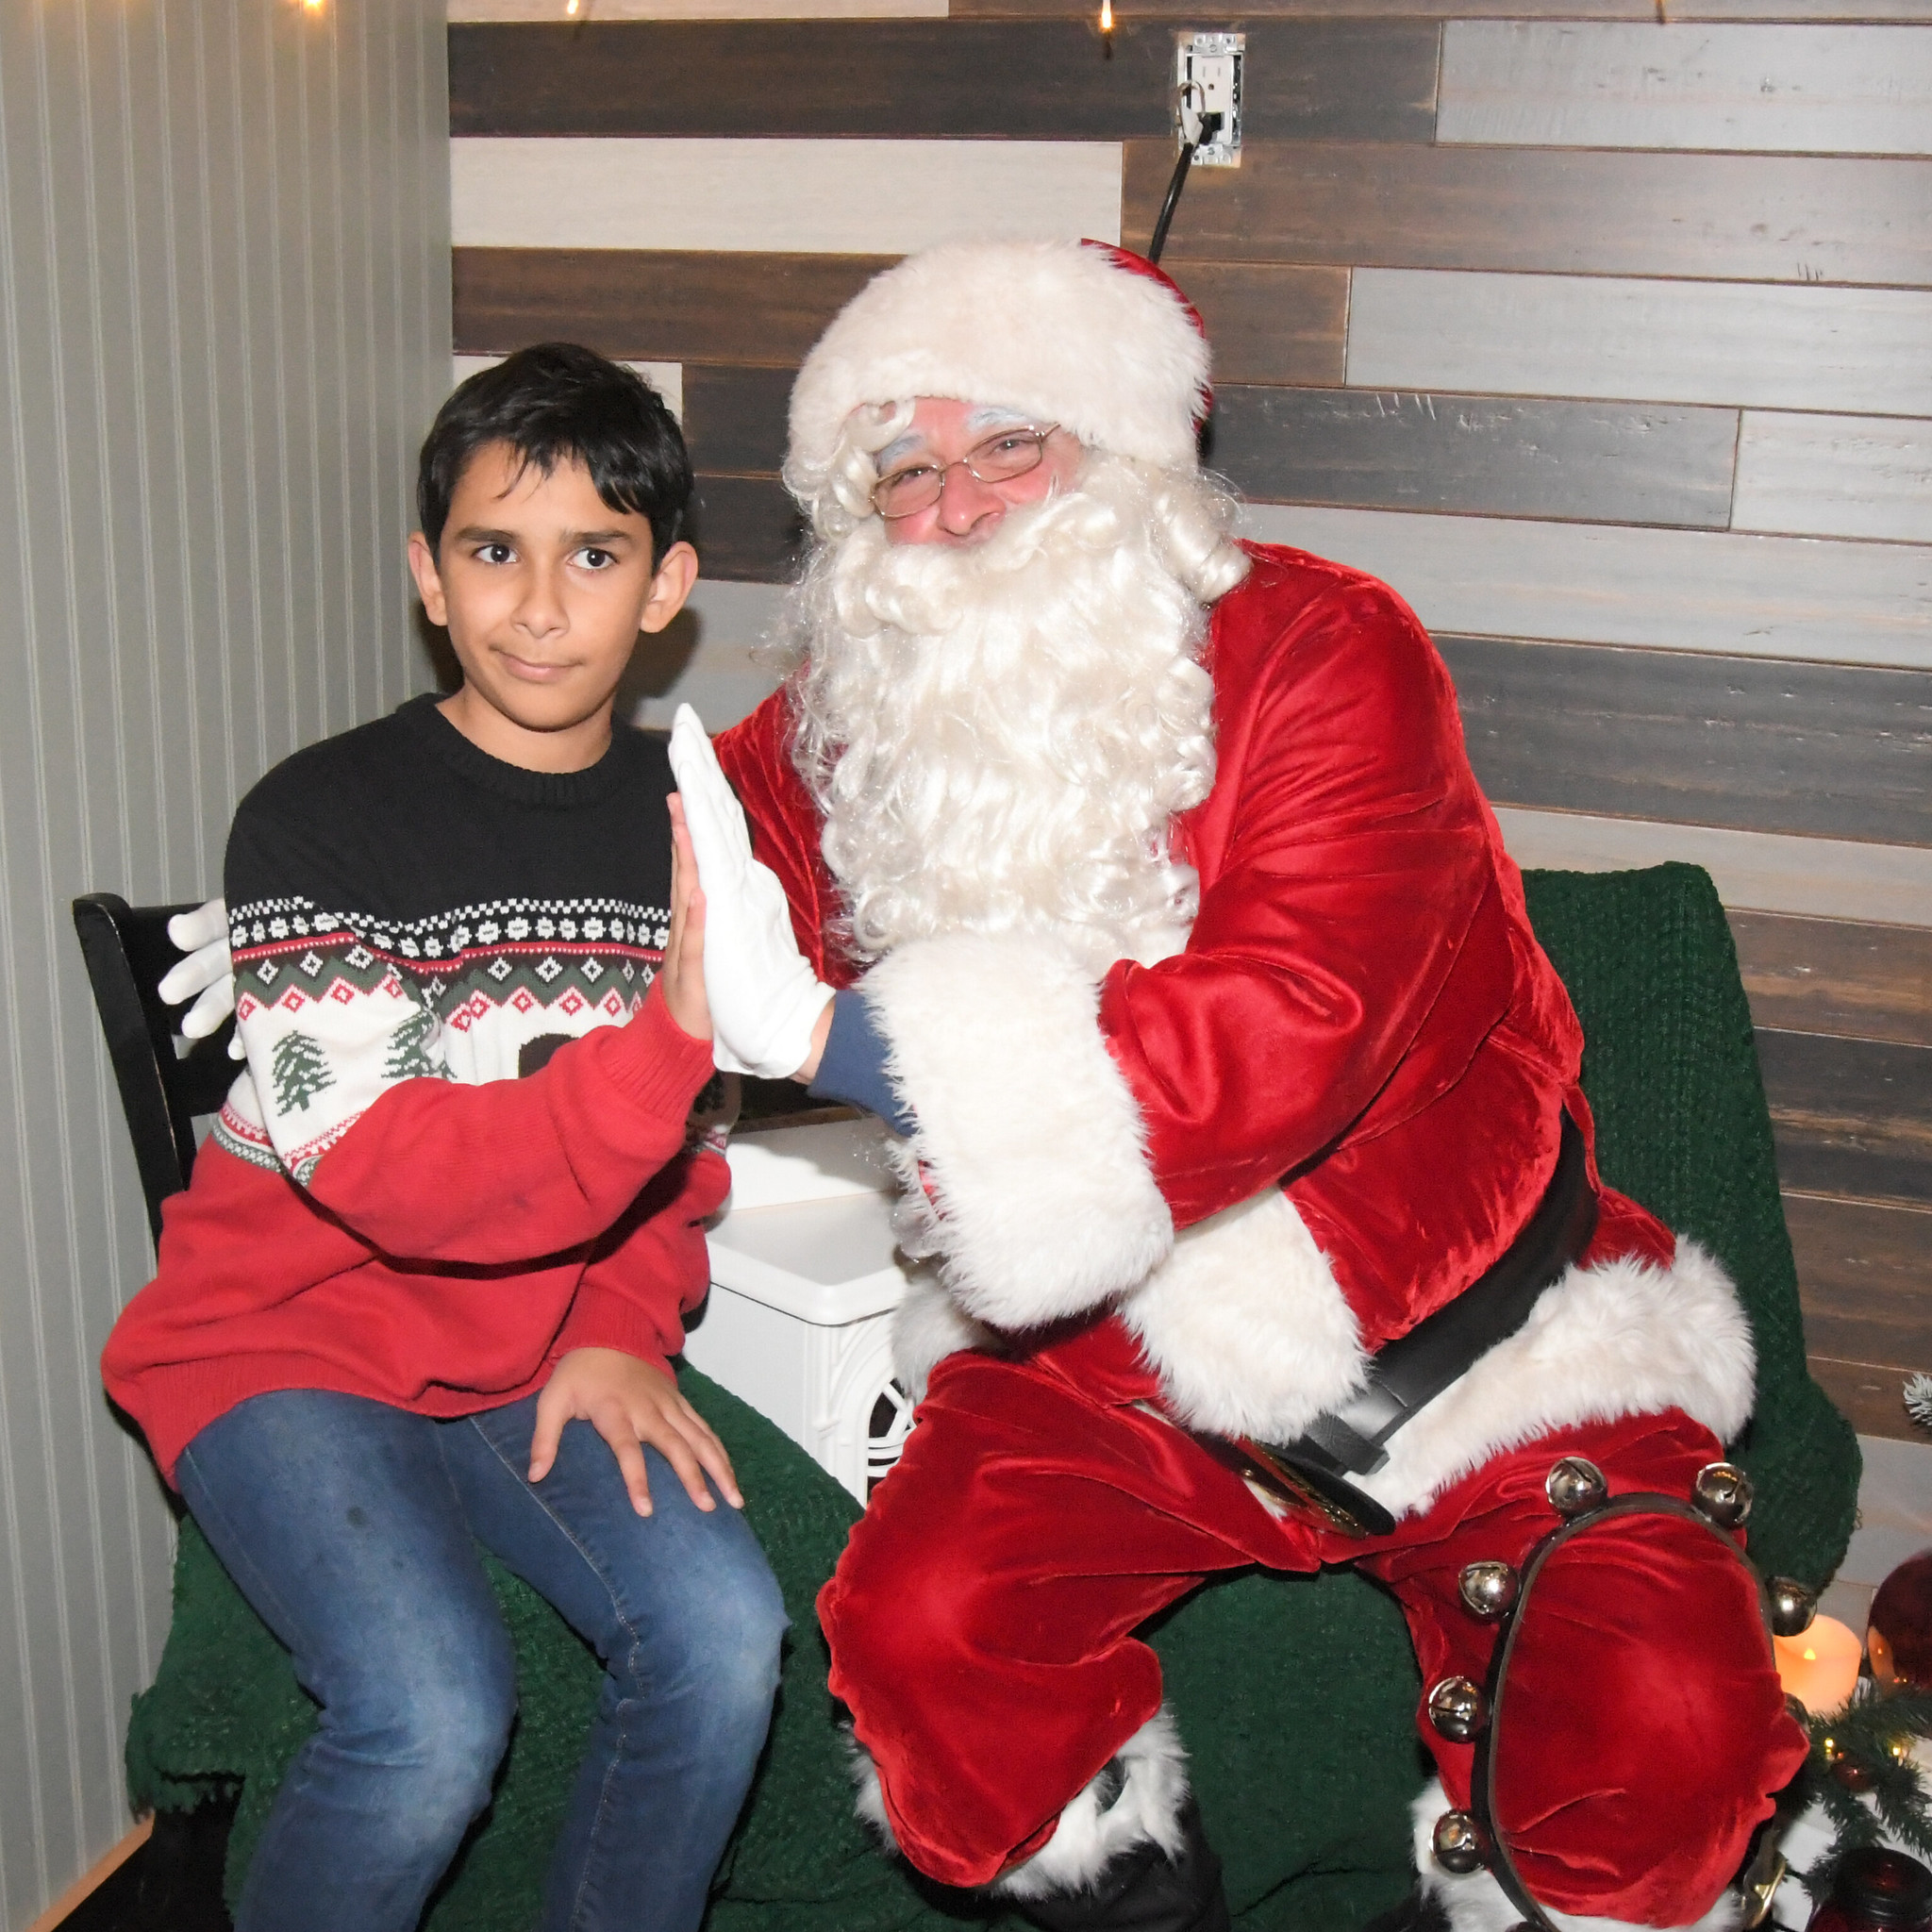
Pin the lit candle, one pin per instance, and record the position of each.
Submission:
(1820, 1666)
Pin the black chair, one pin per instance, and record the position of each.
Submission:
(167, 1083)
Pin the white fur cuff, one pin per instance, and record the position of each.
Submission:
(928, 1326)
(1092, 1833)
(1247, 1324)
(1029, 1135)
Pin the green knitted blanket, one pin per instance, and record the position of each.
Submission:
(1296, 1696)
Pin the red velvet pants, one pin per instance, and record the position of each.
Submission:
(982, 1621)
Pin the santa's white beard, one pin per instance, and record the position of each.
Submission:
(999, 736)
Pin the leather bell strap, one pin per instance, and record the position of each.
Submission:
(1312, 1471)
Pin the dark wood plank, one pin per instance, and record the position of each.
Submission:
(1756, 744)
(747, 529)
(1033, 80)
(1374, 449)
(1865, 1279)
(1869, 1396)
(1835, 976)
(734, 418)
(1852, 1118)
(663, 305)
(1268, 323)
(1732, 217)
(1271, 322)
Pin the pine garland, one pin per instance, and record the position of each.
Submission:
(1863, 1751)
(1919, 1400)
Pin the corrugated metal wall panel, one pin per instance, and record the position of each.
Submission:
(224, 324)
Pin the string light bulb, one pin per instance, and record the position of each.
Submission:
(570, 6)
(1107, 16)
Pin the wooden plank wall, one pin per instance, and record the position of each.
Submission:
(1603, 340)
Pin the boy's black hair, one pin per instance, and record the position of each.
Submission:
(557, 402)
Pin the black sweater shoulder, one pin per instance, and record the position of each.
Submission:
(404, 818)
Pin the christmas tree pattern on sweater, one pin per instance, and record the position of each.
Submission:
(336, 1008)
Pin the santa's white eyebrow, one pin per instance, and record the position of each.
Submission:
(993, 417)
(988, 416)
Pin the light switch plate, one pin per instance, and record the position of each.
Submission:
(1207, 74)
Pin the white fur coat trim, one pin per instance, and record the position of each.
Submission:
(1058, 330)
(1475, 1903)
(1247, 1325)
(928, 1326)
(1029, 1134)
(1090, 1834)
(1620, 1338)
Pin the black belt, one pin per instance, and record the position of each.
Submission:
(1313, 1469)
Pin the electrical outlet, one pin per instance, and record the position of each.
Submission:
(1208, 80)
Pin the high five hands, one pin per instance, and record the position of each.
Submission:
(766, 1001)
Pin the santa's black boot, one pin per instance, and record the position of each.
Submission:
(1145, 1891)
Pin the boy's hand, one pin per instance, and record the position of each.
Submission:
(682, 974)
(628, 1401)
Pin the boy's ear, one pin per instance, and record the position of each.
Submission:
(677, 571)
(428, 579)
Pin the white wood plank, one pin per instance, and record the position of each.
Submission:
(667, 378)
(840, 197)
(1680, 12)
(698, 9)
(1812, 89)
(1615, 584)
(1763, 872)
(1777, 347)
(1834, 476)
(705, 657)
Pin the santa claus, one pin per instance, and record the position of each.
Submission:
(1138, 877)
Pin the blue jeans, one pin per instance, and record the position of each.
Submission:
(352, 1528)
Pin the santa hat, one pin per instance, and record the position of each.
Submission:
(1078, 333)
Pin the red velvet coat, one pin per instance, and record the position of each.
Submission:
(1347, 1086)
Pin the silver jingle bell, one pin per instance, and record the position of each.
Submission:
(1489, 1589)
(1459, 1709)
(1792, 1607)
(1457, 1843)
(1574, 1485)
(1722, 1492)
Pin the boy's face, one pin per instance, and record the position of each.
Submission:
(543, 589)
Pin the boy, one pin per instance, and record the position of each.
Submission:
(403, 1271)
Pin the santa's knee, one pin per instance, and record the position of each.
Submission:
(1635, 1742)
(896, 1613)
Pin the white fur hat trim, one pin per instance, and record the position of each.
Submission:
(1060, 332)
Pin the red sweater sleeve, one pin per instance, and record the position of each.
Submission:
(651, 1269)
(500, 1173)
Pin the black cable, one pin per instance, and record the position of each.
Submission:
(1211, 126)
(1174, 186)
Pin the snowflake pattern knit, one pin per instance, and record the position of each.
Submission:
(339, 1004)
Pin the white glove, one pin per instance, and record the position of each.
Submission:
(764, 999)
(208, 970)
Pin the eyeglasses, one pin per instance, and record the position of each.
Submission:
(999, 459)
